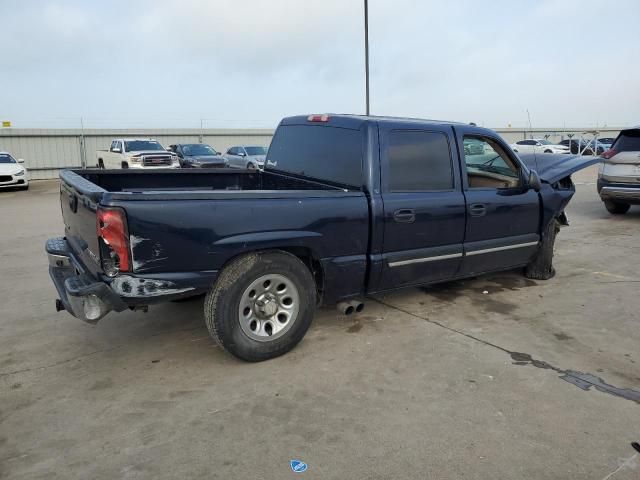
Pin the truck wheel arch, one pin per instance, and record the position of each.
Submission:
(304, 254)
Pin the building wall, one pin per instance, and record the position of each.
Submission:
(46, 151)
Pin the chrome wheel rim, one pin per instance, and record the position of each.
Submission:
(268, 307)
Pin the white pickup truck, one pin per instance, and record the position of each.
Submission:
(136, 153)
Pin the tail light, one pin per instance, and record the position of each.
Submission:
(113, 237)
(609, 153)
(318, 118)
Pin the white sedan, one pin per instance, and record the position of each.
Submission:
(12, 174)
(538, 145)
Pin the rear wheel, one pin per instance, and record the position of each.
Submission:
(616, 208)
(541, 266)
(261, 306)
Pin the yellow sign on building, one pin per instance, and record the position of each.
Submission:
(6, 124)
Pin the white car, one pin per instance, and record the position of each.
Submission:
(538, 145)
(12, 174)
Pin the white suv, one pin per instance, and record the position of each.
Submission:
(619, 174)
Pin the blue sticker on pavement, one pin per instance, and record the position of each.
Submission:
(298, 466)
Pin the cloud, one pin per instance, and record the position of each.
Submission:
(250, 62)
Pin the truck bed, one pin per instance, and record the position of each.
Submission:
(130, 184)
(184, 224)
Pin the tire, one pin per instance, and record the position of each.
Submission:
(548, 151)
(251, 166)
(541, 267)
(125, 165)
(100, 164)
(616, 208)
(249, 336)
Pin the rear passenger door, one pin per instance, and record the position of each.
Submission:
(503, 214)
(424, 208)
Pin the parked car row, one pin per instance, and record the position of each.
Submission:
(149, 153)
(572, 145)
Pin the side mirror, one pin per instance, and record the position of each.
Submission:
(242, 154)
(21, 160)
(534, 181)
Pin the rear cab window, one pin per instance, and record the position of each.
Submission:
(321, 152)
(419, 161)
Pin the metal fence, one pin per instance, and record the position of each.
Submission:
(46, 151)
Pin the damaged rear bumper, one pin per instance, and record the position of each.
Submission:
(90, 296)
(79, 292)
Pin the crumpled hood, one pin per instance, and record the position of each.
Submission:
(205, 158)
(552, 167)
(9, 168)
(258, 158)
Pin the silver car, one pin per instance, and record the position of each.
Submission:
(246, 156)
(619, 174)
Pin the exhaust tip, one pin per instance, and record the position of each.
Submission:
(345, 308)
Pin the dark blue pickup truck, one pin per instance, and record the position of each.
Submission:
(346, 206)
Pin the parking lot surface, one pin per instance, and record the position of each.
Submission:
(493, 377)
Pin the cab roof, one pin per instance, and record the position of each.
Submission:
(356, 121)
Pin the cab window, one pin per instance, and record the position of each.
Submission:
(488, 165)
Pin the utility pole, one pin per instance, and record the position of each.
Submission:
(366, 52)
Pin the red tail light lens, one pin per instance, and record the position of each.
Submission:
(114, 238)
(609, 153)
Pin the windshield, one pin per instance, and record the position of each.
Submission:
(4, 158)
(256, 150)
(198, 149)
(142, 145)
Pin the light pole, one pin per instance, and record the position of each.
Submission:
(366, 52)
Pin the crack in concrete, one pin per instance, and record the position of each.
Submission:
(581, 380)
(95, 352)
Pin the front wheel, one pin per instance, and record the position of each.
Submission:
(261, 305)
(541, 266)
(548, 151)
(616, 208)
(251, 166)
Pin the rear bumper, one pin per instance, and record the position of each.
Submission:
(616, 192)
(90, 298)
(79, 293)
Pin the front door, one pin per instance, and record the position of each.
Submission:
(424, 208)
(503, 214)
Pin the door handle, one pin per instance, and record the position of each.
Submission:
(477, 209)
(405, 215)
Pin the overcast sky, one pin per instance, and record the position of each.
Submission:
(247, 63)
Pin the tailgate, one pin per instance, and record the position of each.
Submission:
(79, 199)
